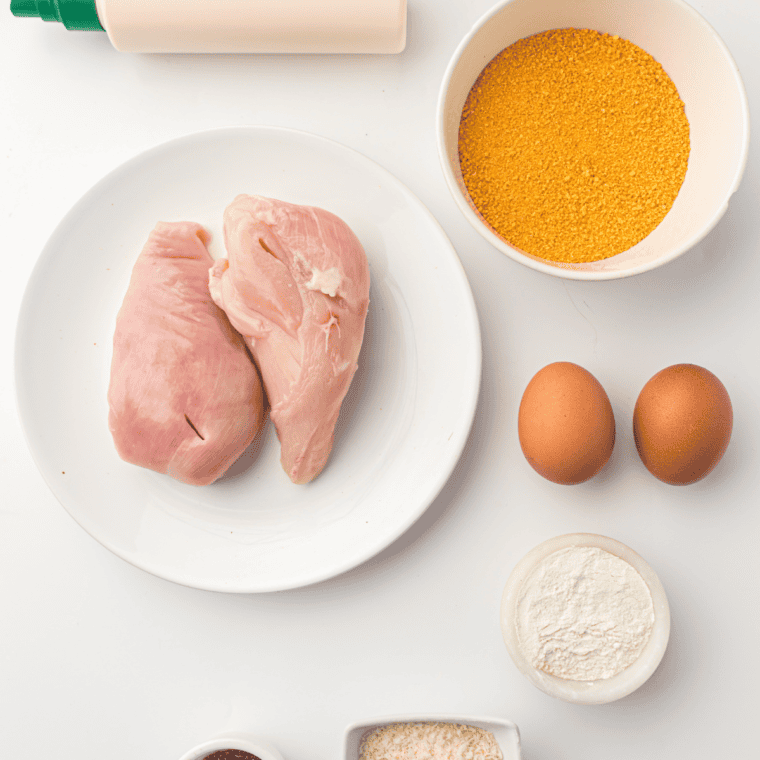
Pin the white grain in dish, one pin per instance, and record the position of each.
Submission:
(584, 614)
(429, 741)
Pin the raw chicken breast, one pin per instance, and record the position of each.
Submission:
(185, 398)
(296, 285)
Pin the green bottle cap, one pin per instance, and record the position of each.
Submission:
(73, 14)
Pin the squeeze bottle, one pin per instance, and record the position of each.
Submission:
(233, 26)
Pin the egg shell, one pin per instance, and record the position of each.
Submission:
(682, 423)
(565, 424)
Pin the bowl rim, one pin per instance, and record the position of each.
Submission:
(558, 270)
(233, 740)
(605, 690)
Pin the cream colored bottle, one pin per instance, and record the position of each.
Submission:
(254, 26)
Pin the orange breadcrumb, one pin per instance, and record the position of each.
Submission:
(573, 144)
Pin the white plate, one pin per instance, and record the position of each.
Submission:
(404, 422)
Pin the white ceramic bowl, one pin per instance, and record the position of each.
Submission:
(241, 741)
(602, 690)
(700, 66)
(505, 732)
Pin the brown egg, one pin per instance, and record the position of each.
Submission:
(565, 424)
(682, 423)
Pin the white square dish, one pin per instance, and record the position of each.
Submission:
(505, 732)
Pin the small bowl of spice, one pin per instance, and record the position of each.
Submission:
(592, 140)
(233, 746)
(585, 618)
(435, 737)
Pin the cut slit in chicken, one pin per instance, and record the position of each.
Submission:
(185, 398)
(195, 429)
(296, 285)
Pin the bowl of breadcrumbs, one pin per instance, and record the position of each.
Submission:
(432, 737)
(593, 140)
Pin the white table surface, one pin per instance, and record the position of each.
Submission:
(98, 659)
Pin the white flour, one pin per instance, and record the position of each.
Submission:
(583, 614)
(429, 741)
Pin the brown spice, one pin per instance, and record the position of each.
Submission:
(230, 754)
(573, 144)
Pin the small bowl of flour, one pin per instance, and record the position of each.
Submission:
(585, 618)
(432, 737)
